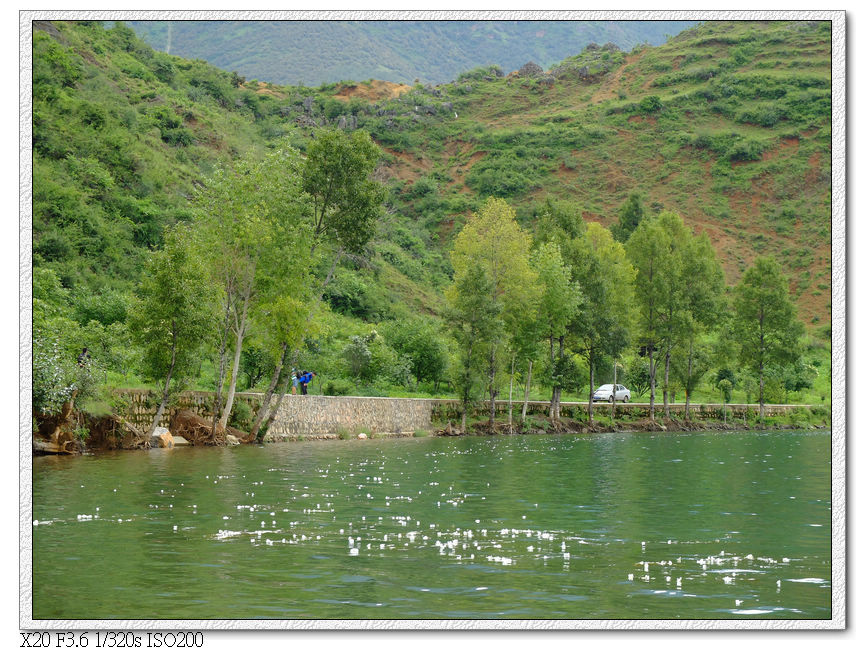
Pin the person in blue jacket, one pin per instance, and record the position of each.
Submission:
(305, 379)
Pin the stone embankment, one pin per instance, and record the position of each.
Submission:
(321, 416)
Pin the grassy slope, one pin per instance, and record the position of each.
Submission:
(120, 146)
(754, 189)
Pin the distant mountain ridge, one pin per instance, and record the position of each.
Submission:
(316, 52)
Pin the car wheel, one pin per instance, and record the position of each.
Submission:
(625, 400)
(610, 400)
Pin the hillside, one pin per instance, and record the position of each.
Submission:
(315, 52)
(727, 124)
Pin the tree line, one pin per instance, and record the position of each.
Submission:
(576, 297)
(556, 307)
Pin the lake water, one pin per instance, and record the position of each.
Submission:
(608, 526)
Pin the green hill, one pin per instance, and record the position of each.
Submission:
(315, 52)
(727, 124)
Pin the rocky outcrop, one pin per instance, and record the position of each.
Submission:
(530, 69)
(164, 440)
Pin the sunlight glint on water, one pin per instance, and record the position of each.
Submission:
(610, 526)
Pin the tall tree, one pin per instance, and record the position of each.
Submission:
(704, 304)
(648, 250)
(675, 320)
(764, 324)
(251, 216)
(474, 315)
(606, 277)
(558, 304)
(599, 266)
(346, 201)
(493, 242)
(173, 315)
(343, 213)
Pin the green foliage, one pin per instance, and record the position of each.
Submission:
(565, 373)
(505, 174)
(128, 141)
(637, 374)
(173, 313)
(241, 416)
(57, 378)
(630, 214)
(764, 326)
(418, 341)
(474, 318)
(726, 389)
(650, 104)
(478, 74)
(347, 202)
(337, 387)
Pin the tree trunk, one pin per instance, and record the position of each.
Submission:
(493, 391)
(652, 370)
(688, 382)
(262, 410)
(526, 395)
(164, 400)
(238, 347)
(666, 383)
(762, 410)
(553, 390)
(223, 353)
(283, 389)
(591, 387)
(559, 387)
(511, 395)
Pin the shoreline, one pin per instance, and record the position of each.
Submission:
(482, 429)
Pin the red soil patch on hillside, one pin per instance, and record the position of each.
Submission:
(372, 92)
(611, 84)
(639, 118)
(264, 90)
(407, 167)
(787, 147)
(475, 157)
(813, 167)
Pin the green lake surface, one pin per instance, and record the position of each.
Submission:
(607, 526)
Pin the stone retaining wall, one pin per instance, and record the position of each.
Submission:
(320, 415)
(139, 405)
(446, 409)
(309, 415)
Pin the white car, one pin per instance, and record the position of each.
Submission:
(605, 393)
